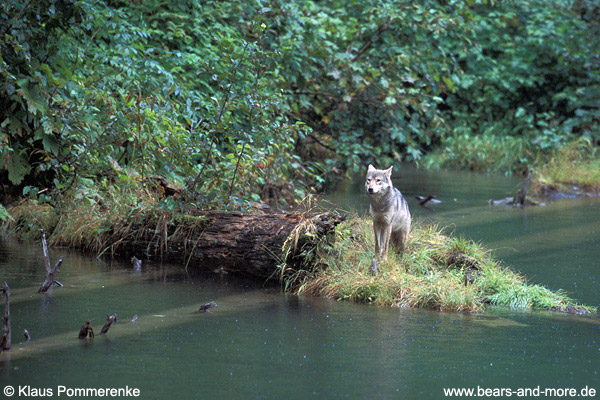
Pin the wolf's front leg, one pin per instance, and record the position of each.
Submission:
(385, 241)
(377, 233)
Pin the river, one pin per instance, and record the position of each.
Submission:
(260, 343)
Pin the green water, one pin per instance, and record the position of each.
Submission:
(262, 344)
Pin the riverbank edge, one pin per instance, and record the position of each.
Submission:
(438, 271)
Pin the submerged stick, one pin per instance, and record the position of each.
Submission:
(46, 254)
(5, 341)
(109, 321)
(424, 200)
(51, 277)
(522, 194)
(520, 199)
(51, 273)
(507, 201)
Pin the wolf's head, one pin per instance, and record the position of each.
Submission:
(378, 180)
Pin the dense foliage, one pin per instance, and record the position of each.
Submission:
(530, 84)
(136, 89)
(238, 99)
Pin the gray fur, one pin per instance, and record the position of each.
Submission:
(389, 209)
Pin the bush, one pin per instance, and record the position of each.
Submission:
(237, 99)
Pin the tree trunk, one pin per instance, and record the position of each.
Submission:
(110, 319)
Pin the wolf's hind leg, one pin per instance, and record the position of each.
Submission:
(399, 239)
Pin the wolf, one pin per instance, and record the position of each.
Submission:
(389, 209)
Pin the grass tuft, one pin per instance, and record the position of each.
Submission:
(28, 217)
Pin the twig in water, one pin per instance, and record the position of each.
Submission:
(109, 321)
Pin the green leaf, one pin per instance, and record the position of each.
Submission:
(17, 167)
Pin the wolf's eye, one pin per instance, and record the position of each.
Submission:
(378, 180)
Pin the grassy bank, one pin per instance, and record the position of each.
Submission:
(99, 223)
(437, 271)
(575, 165)
(483, 153)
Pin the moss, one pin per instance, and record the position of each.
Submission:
(437, 271)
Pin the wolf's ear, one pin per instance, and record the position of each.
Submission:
(388, 171)
(371, 168)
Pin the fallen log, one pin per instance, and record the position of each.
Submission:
(5, 340)
(250, 244)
